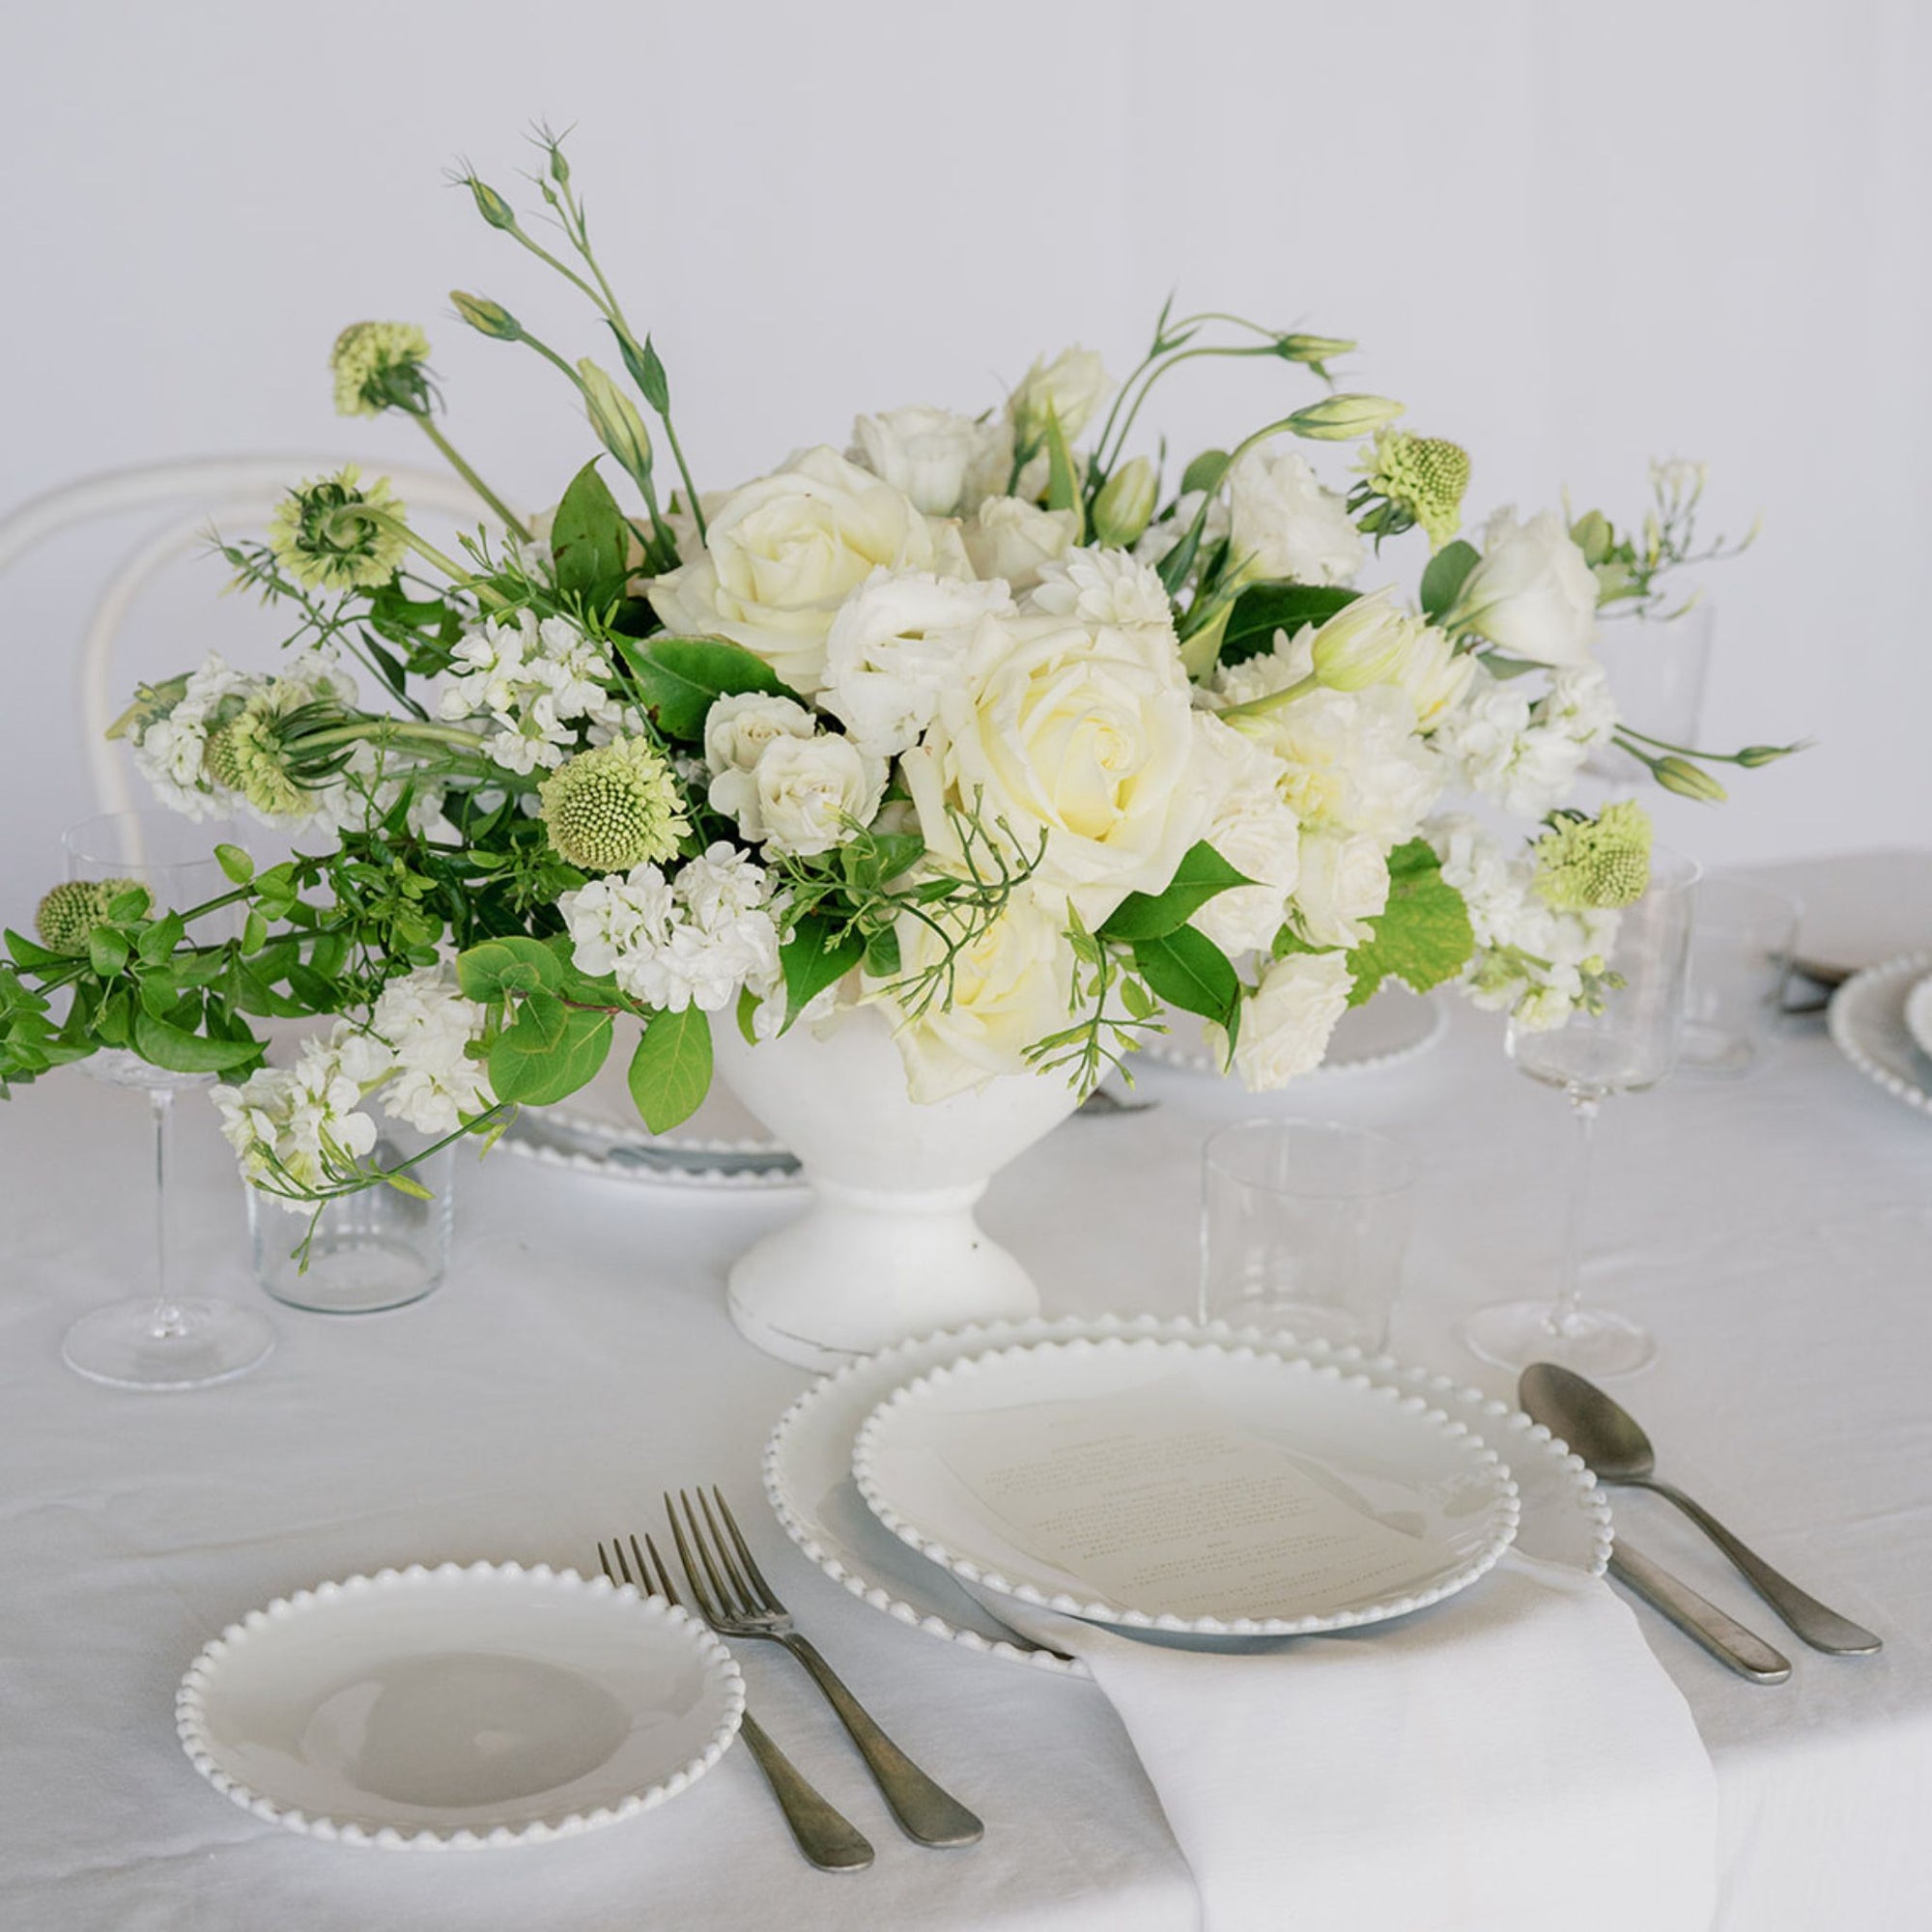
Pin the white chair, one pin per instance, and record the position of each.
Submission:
(224, 491)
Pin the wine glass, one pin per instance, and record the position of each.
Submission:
(1629, 1045)
(160, 1341)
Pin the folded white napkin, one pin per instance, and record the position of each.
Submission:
(1513, 1760)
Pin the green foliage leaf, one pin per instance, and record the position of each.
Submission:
(500, 968)
(163, 1044)
(1423, 937)
(591, 540)
(1201, 873)
(1204, 473)
(37, 959)
(681, 678)
(106, 950)
(236, 863)
(1264, 608)
(670, 1071)
(549, 1051)
(1187, 970)
(1063, 479)
(648, 370)
(1442, 580)
(815, 957)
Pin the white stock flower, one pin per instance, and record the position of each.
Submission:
(944, 462)
(1104, 586)
(1256, 834)
(1520, 751)
(1012, 539)
(1083, 734)
(428, 1025)
(737, 730)
(1071, 386)
(1008, 988)
(168, 748)
(291, 1126)
(1341, 884)
(784, 553)
(536, 681)
(898, 643)
(1532, 592)
(810, 794)
(1283, 524)
(1580, 705)
(1287, 1021)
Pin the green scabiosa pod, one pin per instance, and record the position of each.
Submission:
(1594, 864)
(1424, 476)
(338, 533)
(614, 807)
(68, 913)
(378, 367)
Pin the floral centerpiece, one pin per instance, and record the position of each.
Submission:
(983, 726)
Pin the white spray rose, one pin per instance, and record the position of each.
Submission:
(1072, 386)
(1256, 834)
(1009, 988)
(1342, 883)
(1532, 593)
(1283, 524)
(1287, 1021)
(737, 730)
(1010, 539)
(808, 794)
(895, 645)
(785, 552)
(944, 462)
(1084, 735)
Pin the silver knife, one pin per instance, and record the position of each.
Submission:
(1722, 1635)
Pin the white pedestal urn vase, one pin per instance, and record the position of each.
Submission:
(889, 1246)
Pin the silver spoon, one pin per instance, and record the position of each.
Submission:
(1611, 1440)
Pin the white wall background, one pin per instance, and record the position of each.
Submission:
(1570, 235)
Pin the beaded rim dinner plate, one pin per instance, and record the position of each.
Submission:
(1919, 1015)
(807, 1474)
(1394, 1027)
(1868, 1026)
(459, 1708)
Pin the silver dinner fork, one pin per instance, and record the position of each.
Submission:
(825, 1836)
(738, 1601)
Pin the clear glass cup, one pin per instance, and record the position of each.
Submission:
(163, 1340)
(1741, 951)
(1657, 668)
(1303, 1227)
(378, 1249)
(1627, 1047)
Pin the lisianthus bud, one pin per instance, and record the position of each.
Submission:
(1689, 781)
(1585, 864)
(336, 534)
(1593, 535)
(1068, 389)
(486, 317)
(69, 913)
(1343, 419)
(1125, 505)
(1314, 349)
(1424, 476)
(1364, 642)
(1753, 756)
(379, 365)
(615, 419)
(614, 807)
(490, 205)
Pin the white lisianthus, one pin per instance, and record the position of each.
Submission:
(810, 794)
(1084, 735)
(1071, 386)
(895, 645)
(784, 553)
(428, 1025)
(944, 462)
(1104, 586)
(1012, 539)
(737, 730)
(1532, 593)
(1256, 834)
(1287, 1021)
(1283, 524)
(1007, 989)
(1342, 883)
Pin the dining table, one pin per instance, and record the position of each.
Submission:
(1773, 1230)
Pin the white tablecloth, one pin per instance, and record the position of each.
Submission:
(1776, 1231)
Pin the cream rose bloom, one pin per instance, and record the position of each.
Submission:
(785, 552)
(895, 645)
(1287, 1021)
(945, 463)
(1083, 734)
(1342, 883)
(1532, 593)
(1010, 988)
(808, 794)
(1283, 524)
(1072, 386)
(1012, 539)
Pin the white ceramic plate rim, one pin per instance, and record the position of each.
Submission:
(1855, 1003)
(191, 1718)
(1504, 1508)
(1919, 1015)
(795, 1517)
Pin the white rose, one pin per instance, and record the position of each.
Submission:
(1532, 593)
(895, 645)
(808, 794)
(1072, 386)
(737, 730)
(1011, 538)
(1283, 524)
(1344, 883)
(1287, 1021)
(1256, 834)
(945, 463)
(782, 553)
(1009, 989)
(1085, 735)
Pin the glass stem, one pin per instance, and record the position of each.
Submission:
(1569, 1279)
(167, 1320)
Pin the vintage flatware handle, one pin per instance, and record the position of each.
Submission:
(926, 1813)
(1723, 1636)
(1821, 1627)
(825, 1836)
